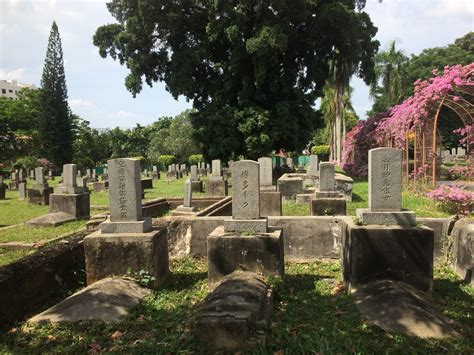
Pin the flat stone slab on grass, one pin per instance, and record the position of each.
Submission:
(235, 316)
(50, 219)
(107, 300)
(399, 308)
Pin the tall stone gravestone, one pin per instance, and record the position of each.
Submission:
(126, 240)
(32, 174)
(22, 175)
(385, 190)
(328, 201)
(187, 199)
(155, 173)
(22, 190)
(216, 186)
(14, 180)
(266, 174)
(245, 240)
(313, 165)
(387, 245)
(39, 193)
(70, 198)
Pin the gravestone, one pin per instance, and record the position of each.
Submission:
(32, 174)
(246, 199)
(14, 181)
(289, 162)
(327, 176)
(22, 190)
(453, 152)
(22, 175)
(385, 190)
(79, 173)
(196, 183)
(39, 193)
(313, 165)
(194, 173)
(126, 240)
(266, 174)
(216, 170)
(245, 241)
(328, 201)
(50, 175)
(187, 199)
(88, 173)
(70, 198)
(94, 174)
(155, 174)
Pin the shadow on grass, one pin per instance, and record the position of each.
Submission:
(357, 198)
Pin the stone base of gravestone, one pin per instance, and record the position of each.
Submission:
(246, 226)
(399, 253)
(312, 173)
(156, 175)
(216, 188)
(290, 186)
(143, 226)
(227, 252)
(2, 193)
(147, 183)
(268, 188)
(115, 254)
(403, 217)
(304, 198)
(270, 203)
(234, 316)
(328, 206)
(100, 186)
(185, 209)
(77, 205)
(328, 194)
(39, 196)
(196, 186)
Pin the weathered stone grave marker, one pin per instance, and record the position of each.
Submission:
(313, 165)
(126, 239)
(187, 199)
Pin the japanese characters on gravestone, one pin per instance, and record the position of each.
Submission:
(216, 170)
(313, 164)
(246, 199)
(266, 171)
(385, 189)
(125, 198)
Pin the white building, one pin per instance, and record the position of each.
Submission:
(9, 88)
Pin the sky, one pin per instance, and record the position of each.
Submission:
(96, 86)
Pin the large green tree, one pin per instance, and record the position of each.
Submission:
(55, 122)
(253, 69)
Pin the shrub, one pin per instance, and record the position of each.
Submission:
(453, 200)
(46, 164)
(28, 163)
(165, 160)
(195, 158)
(460, 173)
(322, 151)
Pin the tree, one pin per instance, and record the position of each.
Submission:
(19, 125)
(176, 138)
(55, 122)
(253, 69)
(390, 75)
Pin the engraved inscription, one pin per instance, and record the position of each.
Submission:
(386, 183)
(122, 189)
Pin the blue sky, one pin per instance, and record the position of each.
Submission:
(95, 85)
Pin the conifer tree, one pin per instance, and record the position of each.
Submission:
(55, 126)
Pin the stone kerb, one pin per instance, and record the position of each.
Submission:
(385, 190)
(246, 199)
(125, 198)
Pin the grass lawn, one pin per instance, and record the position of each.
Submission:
(310, 314)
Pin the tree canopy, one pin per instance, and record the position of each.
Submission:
(253, 69)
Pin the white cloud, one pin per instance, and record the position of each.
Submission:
(80, 103)
(15, 74)
(125, 114)
(459, 8)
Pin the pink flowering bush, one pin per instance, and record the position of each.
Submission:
(460, 173)
(358, 142)
(453, 200)
(467, 134)
(46, 164)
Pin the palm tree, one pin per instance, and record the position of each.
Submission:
(334, 104)
(390, 72)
